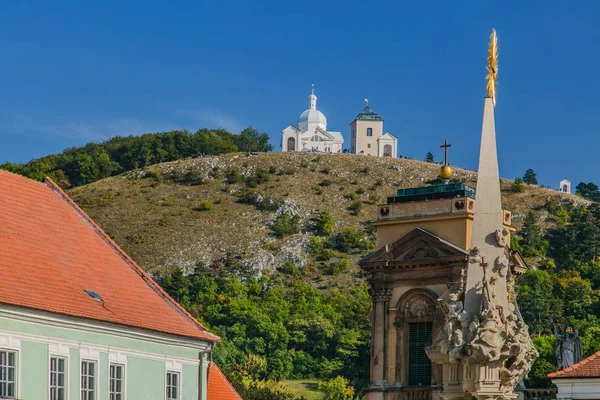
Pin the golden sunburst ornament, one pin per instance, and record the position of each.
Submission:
(492, 67)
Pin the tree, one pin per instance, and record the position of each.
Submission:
(252, 140)
(518, 185)
(429, 157)
(531, 237)
(530, 177)
(588, 191)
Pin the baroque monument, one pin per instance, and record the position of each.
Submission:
(446, 322)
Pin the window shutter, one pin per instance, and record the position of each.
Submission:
(419, 365)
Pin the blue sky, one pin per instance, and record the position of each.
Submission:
(74, 72)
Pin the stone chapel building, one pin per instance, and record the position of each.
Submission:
(311, 134)
(367, 137)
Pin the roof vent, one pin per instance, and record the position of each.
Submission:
(93, 295)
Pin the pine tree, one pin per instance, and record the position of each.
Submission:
(429, 157)
(530, 177)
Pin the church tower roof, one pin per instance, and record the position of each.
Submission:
(311, 115)
(367, 114)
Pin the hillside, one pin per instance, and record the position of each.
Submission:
(155, 213)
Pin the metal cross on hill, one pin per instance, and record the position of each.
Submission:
(445, 146)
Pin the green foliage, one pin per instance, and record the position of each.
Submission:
(251, 140)
(352, 196)
(429, 157)
(323, 224)
(204, 206)
(356, 207)
(530, 177)
(78, 166)
(337, 389)
(234, 176)
(351, 240)
(518, 185)
(274, 328)
(286, 224)
(531, 242)
(588, 191)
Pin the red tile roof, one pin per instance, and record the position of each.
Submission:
(219, 387)
(584, 369)
(51, 251)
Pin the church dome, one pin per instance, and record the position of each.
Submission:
(312, 116)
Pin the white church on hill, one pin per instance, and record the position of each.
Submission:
(366, 134)
(311, 133)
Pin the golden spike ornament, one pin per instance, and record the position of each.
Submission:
(492, 67)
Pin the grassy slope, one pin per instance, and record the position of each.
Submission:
(155, 221)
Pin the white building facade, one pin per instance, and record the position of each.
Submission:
(311, 134)
(564, 186)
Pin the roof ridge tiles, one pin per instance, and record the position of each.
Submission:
(128, 260)
(577, 365)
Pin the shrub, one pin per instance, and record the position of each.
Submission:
(325, 183)
(286, 224)
(351, 239)
(323, 224)
(355, 207)
(204, 206)
(337, 389)
(374, 198)
(518, 185)
(234, 176)
(352, 196)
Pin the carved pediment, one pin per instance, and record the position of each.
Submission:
(416, 248)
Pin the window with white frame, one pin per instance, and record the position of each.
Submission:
(172, 385)
(116, 381)
(88, 380)
(8, 374)
(58, 384)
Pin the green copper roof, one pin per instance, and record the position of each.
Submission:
(434, 192)
(367, 114)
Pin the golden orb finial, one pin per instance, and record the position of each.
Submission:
(445, 172)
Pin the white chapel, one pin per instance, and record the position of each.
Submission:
(311, 134)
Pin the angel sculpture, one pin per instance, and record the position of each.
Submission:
(568, 348)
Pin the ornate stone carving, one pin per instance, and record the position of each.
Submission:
(384, 211)
(420, 253)
(475, 256)
(502, 237)
(419, 306)
(381, 294)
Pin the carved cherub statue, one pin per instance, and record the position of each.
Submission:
(502, 237)
(475, 256)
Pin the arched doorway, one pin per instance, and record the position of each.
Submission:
(291, 144)
(387, 150)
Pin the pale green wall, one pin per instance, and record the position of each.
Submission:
(35, 357)
(145, 377)
(189, 377)
(73, 378)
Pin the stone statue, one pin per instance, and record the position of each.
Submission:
(453, 308)
(568, 348)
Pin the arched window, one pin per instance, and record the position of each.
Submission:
(565, 189)
(291, 144)
(416, 311)
(387, 150)
(369, 131)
